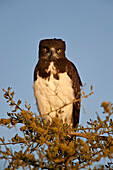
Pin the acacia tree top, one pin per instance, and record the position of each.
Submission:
(53, 146)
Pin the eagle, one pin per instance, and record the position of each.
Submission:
(57, 84)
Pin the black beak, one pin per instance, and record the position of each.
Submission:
(51, 54)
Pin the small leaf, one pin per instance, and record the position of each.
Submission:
(91, 88)
(4, 90)
(12, 94)
(19, 102)
(5, 95)
(83, 93)
(9, 88)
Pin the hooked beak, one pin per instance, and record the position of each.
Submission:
(51, 55)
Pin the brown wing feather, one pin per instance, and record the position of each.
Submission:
(76, 83)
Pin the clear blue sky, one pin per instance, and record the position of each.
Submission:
(87, 28)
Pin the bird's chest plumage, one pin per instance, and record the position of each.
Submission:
(54, 95)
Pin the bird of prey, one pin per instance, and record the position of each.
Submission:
(57, 83)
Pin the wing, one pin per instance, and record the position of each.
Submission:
(35, 72)
(76, 83)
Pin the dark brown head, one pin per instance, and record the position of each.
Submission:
(52, 49)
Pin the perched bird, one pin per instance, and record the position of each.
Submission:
(56, 83)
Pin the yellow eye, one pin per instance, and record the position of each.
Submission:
(58, 50)
(45, 49)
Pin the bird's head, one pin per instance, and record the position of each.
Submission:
(51, 49)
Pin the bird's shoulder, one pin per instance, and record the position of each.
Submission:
(73, 72)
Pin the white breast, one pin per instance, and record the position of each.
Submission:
(52, 95)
